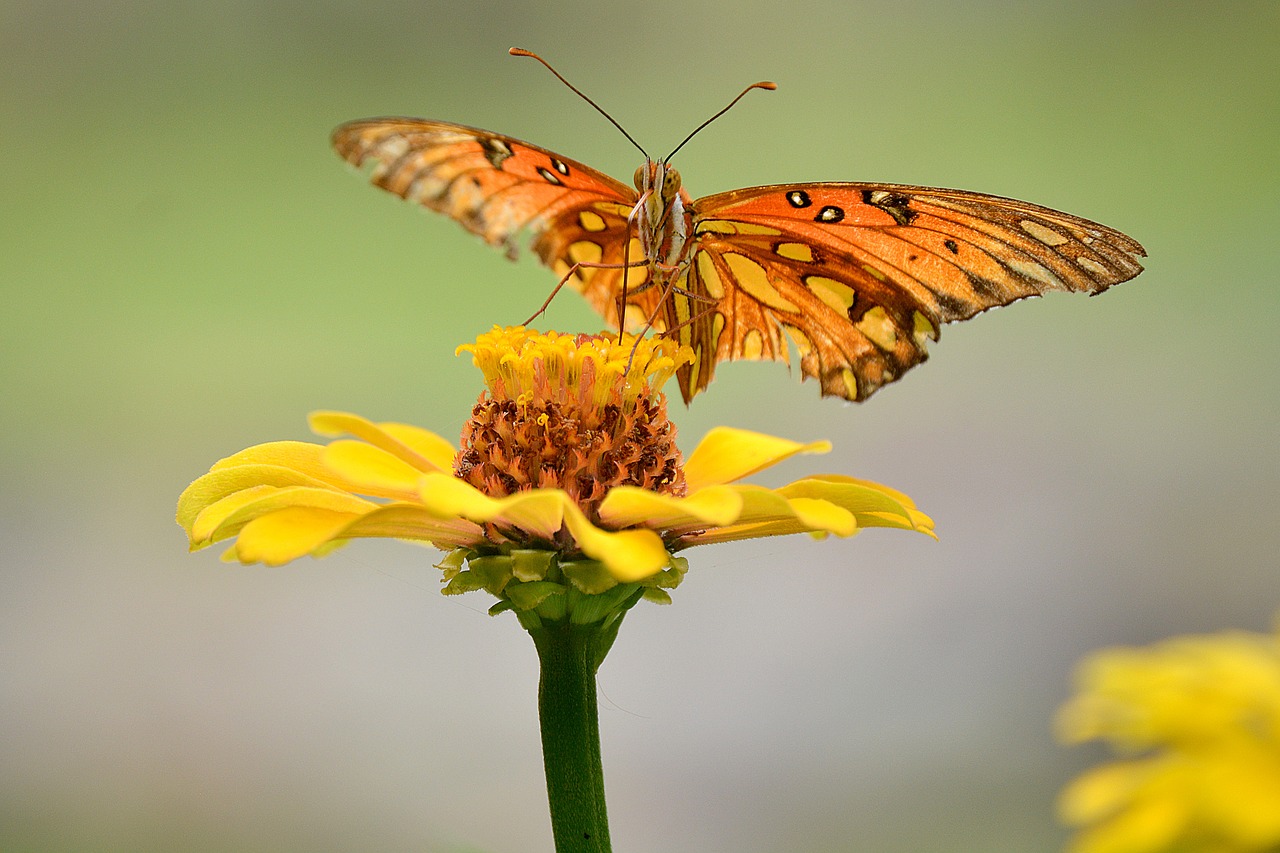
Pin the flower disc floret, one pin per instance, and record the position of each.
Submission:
(589, 371)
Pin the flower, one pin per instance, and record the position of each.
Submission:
(1197, 719)
(568, 474)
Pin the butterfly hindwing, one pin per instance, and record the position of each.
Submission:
(853, 331)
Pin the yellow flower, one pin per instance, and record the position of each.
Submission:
(568, 469)
(1198, 721)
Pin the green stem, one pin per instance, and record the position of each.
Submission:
(569, 655)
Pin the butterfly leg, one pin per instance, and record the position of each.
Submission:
(673, 272)
(626, 260)
(572, 271)
(671, 288)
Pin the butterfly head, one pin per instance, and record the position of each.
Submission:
(659, 179)
(659, 183)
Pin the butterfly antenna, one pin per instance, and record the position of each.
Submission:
(519, 51)
(764, 84)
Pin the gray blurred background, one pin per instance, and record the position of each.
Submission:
(187, 269)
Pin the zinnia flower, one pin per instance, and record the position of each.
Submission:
(1198, 721)
(568, 501)
(568, 473)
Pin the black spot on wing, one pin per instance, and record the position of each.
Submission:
(798, 198)
(496, 150)
(829, 214)
(896, 205)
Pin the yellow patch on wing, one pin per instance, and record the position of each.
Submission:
(613, 207)
(724, 226)
(924, 329)
(753, 278)
(638, 275)
(875, 273)
(877, 326)
(752, 345)
(1092, 266)
(591, 221)
(799, 339)
(634, 317)
(681, 306)
(794, 251)
(1043, 233)
(850, 383)
(585, 252)
(837, 294)
(717, 329)
(710, 278)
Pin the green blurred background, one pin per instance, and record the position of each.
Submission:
(187, 269)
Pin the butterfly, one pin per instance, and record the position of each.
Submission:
(857, 277)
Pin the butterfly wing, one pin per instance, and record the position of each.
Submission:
(498, 187)
(859, 276)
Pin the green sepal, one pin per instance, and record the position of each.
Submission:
(656, 595)
(589, 576)
(463, 582)
(501, 607)
(530, 565)
(670, 577)
(494, 572)
(527, 596)
(453, 562)
(585, 609)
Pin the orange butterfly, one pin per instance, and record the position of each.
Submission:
(856, 275)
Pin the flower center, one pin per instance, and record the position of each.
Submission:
(581, 413)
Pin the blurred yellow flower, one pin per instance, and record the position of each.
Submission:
(1197, 720)
(568, 465)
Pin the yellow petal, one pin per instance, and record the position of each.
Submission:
(373, 471)
(287, 534)
(1240, 784)
(629, 555)
(900, 497)
(872, 504)
(918, 521)
(1100, 792)
(224, 481)
(438, 450)
(211, 517)
(630, 506)
(539, 512)
(728, 454)
(413, 522)
(303, 456)
(423, 450)
(737, 532)
(1148, 826)
(767, 513)
(229, 515)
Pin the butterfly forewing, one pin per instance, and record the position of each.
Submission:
(859, 275)
(493, 185)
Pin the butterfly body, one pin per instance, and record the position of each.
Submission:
(856, 277)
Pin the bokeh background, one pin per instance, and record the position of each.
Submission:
(187, 269)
